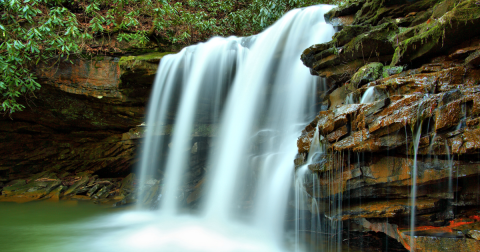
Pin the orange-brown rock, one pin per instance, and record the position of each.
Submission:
(421, 124)
(82, 122)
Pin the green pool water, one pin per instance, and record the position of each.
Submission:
(41, 225)
(76, 226)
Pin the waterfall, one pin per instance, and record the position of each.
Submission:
(197, 72)
(270, 93)
(251, 96)
(256, 96)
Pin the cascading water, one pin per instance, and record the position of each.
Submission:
(265, 65)
(416, 141)
(204, 67)
(368, 96)
(260, 95)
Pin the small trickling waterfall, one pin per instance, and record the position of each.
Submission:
(416, 141)
(368, 96)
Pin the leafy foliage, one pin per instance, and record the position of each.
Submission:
(33, 31)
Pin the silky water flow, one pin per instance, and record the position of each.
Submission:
(254, 96)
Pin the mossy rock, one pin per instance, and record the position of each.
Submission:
(131, 63)
(443, 7)
(34, 189)
(374, 11)
(366, 74)
(389, 71)
(348, 9)
(421, 17)
(139, 71)
(378, 41)
(438, 35)
(348, 33)
(309, 55)
(368, 46)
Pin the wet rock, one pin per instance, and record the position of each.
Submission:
(195, 194)
(447, 116)
(443, 7)
(299, 159)
(384, 227)
(388, 209)
(337, 97)
(92, 181)
(375, 107)
(304, 142)
(103, 77)
(308, 56)
(341, 22)
(152, 195)
(427, 238)
(318, 166)
(428, 90)
(337, 134)
(471, 140)
(471, 230)
(441, 244)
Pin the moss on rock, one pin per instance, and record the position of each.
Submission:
(366, 74)
(131, 62)
(389, 71)
(436, 35)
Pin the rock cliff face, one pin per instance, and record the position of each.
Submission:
(403, 109)
(78, 135)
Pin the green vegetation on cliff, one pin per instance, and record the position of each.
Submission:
(33, 31)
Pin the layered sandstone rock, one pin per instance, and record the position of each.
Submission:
(80, 126)
(414, 65)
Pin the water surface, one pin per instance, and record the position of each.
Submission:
(42, 225)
